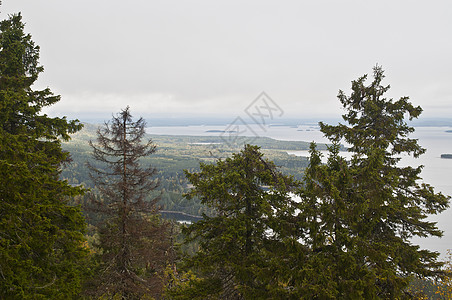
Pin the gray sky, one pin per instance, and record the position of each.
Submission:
(215, 57)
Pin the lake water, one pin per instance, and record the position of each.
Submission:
(437, 172)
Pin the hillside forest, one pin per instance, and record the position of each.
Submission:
(94, 211)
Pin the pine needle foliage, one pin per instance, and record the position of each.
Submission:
(357, 217)
(42, 252)
(240, 246)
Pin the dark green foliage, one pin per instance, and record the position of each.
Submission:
(240, 244)
(133, 241)
(42, 250)
(357, 217)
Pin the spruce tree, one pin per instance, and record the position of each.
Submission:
(42, 250)
(134, 241)
(240, 245)
(357, 217)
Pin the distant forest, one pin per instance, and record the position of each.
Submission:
(178, 153)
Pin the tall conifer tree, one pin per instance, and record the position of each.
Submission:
(41, 236)
(134, 242)
(357, 217)
(240, 246)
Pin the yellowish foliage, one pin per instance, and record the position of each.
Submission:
(444, 286)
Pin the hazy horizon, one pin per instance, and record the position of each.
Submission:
(204, 58)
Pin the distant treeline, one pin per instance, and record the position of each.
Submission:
(178, 153)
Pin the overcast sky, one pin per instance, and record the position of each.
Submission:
(186, 58)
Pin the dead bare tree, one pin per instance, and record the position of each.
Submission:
(133, 240)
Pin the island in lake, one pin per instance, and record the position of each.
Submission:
(449, 156)
(221, 131)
